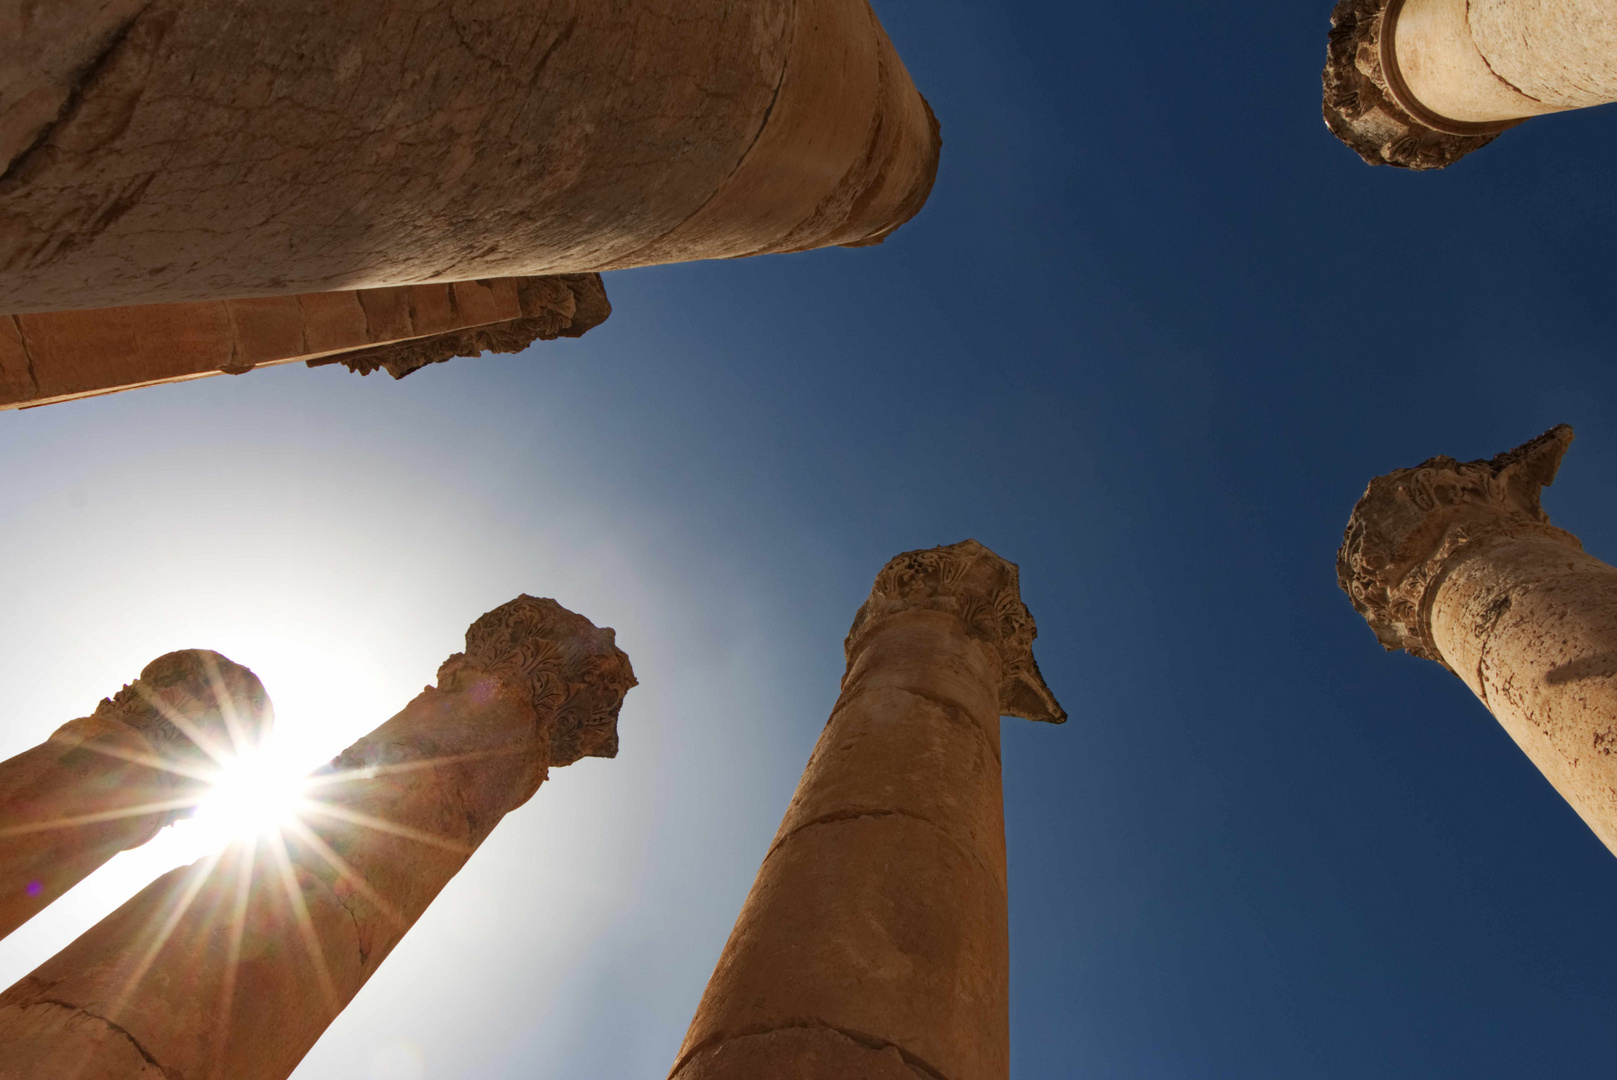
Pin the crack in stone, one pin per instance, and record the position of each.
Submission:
(837, 817)
(868, 1041)
(119, 1028)
(75, 95)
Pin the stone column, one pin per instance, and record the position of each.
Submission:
(874, 943)
(1457, 562)
(109, 781)
(190, 150)
(232, 967)
(1420, 83)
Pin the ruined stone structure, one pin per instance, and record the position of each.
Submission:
(1458, 563)
(61, 355)
(1421, 83)
(109, 781)
(233, 967)
(191, 153)
(874, 942)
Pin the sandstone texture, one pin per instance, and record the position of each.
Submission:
(63, 355)
(874, 941)
(233, 967)
(1421, 83)
(175, 151)
(1457, 562)
(109, 781)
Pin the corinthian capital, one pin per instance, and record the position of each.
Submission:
(569, 668)
(1369, 107)
(1410, 523)
(980, 589)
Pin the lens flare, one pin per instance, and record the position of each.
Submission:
(256, 794)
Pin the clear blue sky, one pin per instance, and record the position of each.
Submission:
(1150, 338)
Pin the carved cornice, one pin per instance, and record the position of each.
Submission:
(561, 305)
(1367, 105)
(980, 589)
(570, 670)
(192, 704)
(1412, 522)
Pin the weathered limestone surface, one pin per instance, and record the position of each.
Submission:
(874, 942)
(109, 781)
(62, 355)
(165, 151)
(1421, 83)
(232, 968)
(1457, 562)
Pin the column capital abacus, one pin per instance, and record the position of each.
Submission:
(1370, 109)
(983, 592)
(569, 668)
(1411, 523)
(191, 704)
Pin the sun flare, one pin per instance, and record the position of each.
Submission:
(257, 794)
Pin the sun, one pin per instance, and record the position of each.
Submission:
(255, 794)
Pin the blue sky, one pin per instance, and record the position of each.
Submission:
(1150, 338)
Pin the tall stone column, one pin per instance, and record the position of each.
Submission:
(1421, 83)
(874, 943)
(109, 781)
(1458, 563)
(233, 967)
(190, 150)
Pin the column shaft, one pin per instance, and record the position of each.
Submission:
(188, 150)
(1458, 563)
(108, 782)
(1488, 60)
(874, 942)
(233, 967)
(1530, 624)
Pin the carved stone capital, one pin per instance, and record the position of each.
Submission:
(1412, 522)
(1368, 106)
(560, 305)
(191, 704)
(981, 590)
(571, 671)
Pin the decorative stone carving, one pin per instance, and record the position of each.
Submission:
(234, 966)
(573, 672)
(1410, 523)
(186, 696)
(1366, 107)
(982, 590)
(566, 305)
(109, 781)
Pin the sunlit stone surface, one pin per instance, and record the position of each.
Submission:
(874, 942)
(1421, 83)
(109, 781)
(233, 967)
(1458, 563)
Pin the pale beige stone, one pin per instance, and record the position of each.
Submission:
(874, 941)
(189, 150)
(1457, 562)
(1421, 83)
(109, 781)
(233, 967)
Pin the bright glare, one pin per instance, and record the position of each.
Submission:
(254, 795)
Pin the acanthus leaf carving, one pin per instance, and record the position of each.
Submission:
(983, 591)
(1410, 524)
(571, 671)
